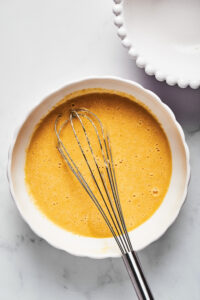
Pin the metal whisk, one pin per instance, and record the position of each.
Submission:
(106, 196)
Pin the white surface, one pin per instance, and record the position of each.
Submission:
(44, 44)
(146, 233)
(163, 36)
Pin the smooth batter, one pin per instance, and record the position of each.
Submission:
(141, 155)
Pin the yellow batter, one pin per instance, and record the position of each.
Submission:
(141, 154)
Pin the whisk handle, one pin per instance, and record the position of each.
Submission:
(137, 277)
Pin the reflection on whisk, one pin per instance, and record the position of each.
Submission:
(95, 150)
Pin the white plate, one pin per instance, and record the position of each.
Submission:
(146, 233)
(163, 36)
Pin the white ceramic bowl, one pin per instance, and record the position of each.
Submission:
(106, 247)
(163, 37)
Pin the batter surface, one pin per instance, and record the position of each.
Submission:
(141, 155)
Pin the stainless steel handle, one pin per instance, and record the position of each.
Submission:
(137, 277)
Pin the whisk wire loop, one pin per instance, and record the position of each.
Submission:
(116, 221)
(75, 170)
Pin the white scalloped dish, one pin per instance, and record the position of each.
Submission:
(163, 36)
(143, 235)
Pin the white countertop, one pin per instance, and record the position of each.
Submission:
(45, 44)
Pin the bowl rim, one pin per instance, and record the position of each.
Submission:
(141, 62)
(79, 81)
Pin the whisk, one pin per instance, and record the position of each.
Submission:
(106, 195)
